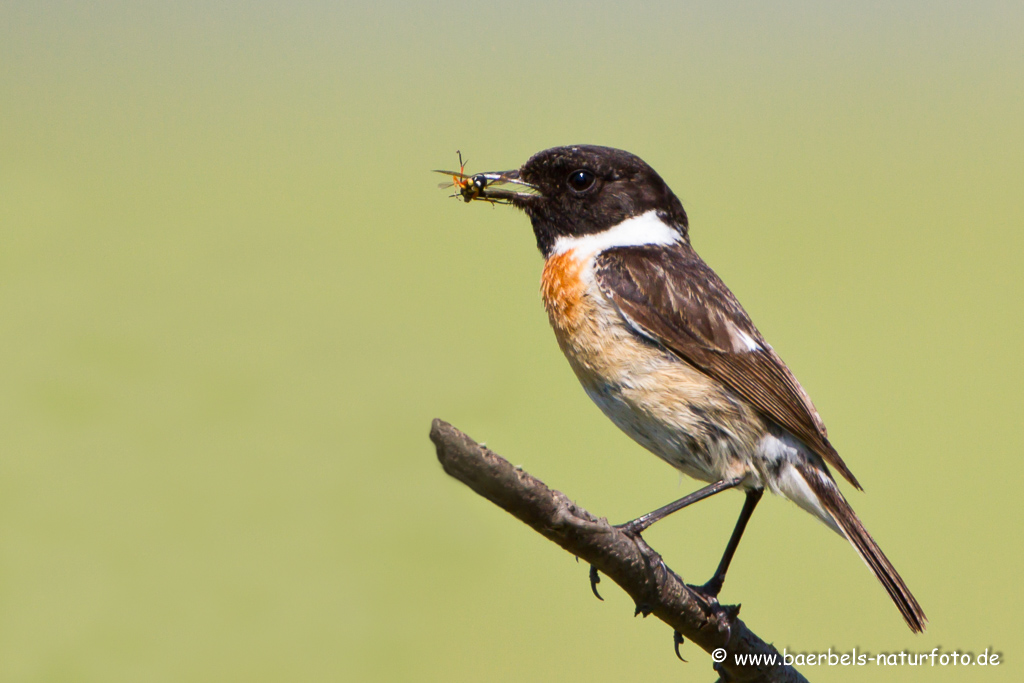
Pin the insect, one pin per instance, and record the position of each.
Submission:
(469, 187)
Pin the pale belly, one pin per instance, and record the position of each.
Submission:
(663, 403)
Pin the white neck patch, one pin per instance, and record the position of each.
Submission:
(645, 229)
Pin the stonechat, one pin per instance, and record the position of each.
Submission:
(667, 352)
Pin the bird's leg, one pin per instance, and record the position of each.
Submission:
(714, 586)
(639, 524)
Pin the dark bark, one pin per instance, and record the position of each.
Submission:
(626, 559)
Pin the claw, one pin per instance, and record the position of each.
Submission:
(594, 580)
(642, 608)
(677, 639)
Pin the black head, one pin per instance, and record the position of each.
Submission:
(583, 189)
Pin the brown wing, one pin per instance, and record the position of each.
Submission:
(671, 296)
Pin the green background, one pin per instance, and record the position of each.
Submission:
(232, 298)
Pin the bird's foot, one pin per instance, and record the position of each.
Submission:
(677, 640)
(711, 589)
(595, 579)
(633, 528)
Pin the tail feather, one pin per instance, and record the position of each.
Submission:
(832, 501)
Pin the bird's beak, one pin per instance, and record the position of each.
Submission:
(505, 187)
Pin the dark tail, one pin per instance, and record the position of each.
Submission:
(832, 500)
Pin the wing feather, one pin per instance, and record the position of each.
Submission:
(671, 296)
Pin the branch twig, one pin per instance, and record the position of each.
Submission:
(626, 559)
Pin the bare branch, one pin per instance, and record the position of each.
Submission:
(624, 558)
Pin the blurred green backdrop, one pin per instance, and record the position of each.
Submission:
(232, 298)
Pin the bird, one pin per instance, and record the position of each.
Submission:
(667, 352)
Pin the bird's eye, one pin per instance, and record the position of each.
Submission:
(581, 180)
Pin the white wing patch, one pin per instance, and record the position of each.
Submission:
(741, 341)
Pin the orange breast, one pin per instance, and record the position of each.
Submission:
(562, 291)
